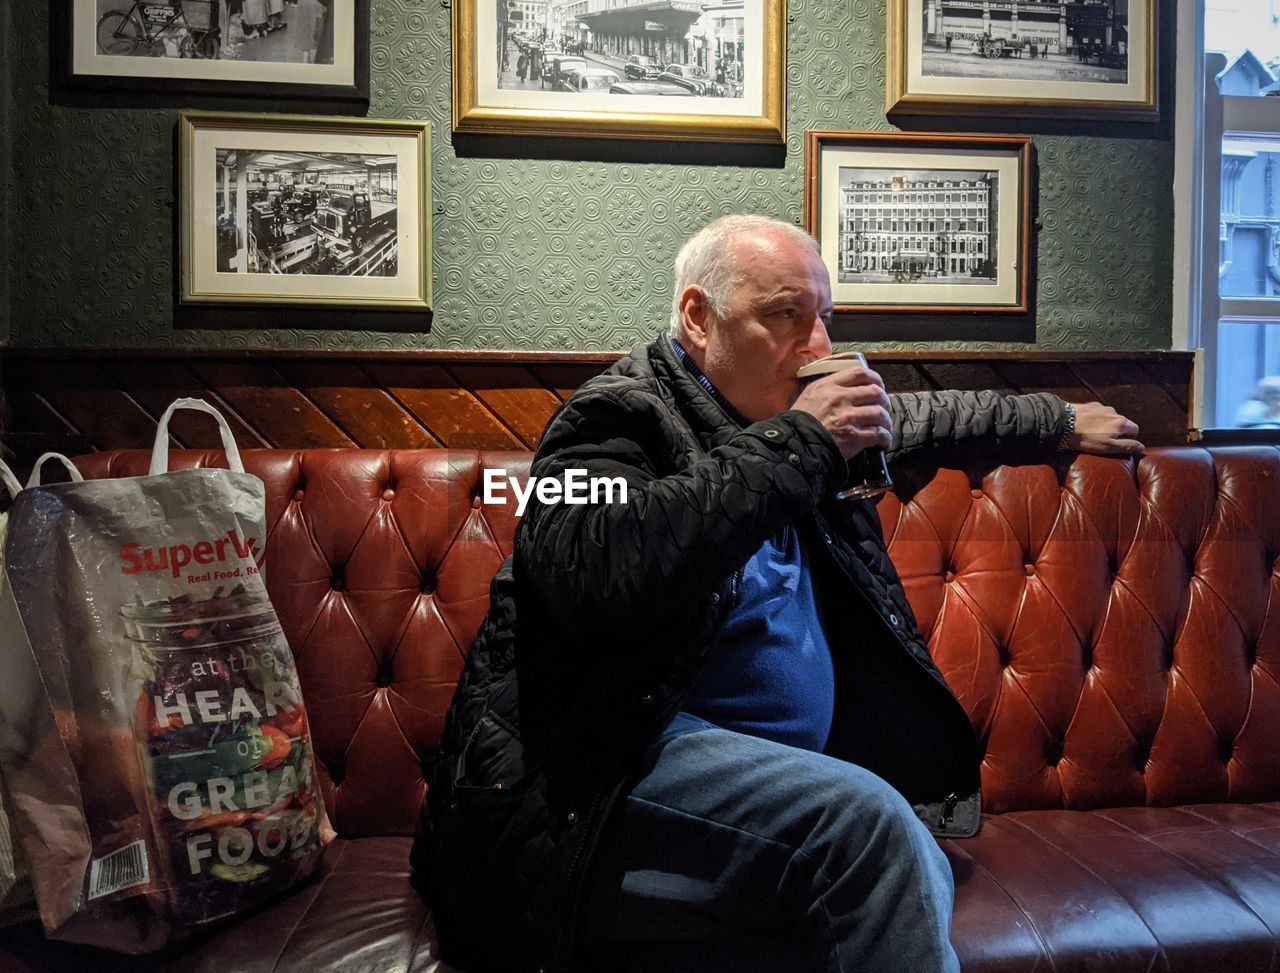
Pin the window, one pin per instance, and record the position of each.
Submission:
(1230, 201)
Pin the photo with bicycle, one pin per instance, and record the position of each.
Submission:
(297, 31)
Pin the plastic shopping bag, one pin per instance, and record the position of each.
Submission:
(154, 740)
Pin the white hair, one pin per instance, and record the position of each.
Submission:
(709, 260)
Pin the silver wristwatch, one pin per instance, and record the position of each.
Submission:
(1069, 430)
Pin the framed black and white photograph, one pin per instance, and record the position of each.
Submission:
(922, 224)
(1083, 58)
(308, 211)
(627, 69)
(271, 48)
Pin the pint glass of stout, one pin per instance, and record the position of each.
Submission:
(868, 470)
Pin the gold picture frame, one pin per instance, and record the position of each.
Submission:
(317, 211)
(733, 76)
(937, 224)
(1076, 60)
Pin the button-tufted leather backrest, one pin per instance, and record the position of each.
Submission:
(1112, 628)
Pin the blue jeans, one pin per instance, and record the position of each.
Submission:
(734, 853)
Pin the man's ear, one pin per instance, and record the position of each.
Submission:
(695, 315)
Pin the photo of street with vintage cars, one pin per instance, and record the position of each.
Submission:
(1066, 40)
(917, 226)
(625, 47)
(323, 213)
(276, 31)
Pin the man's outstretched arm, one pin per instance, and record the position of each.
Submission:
(1036, 418)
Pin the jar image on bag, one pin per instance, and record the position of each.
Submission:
(222, 735)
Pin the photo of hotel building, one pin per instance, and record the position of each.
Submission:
(931, 225)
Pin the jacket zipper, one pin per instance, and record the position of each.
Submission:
(565, 943)
(876, 611)
(733, 586)
(460, 767)
(948, 810)
(586, 830)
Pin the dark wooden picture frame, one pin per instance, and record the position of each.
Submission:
(64, 76)
(925, 246)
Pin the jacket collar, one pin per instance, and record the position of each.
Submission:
(711, 416)
(700, 377)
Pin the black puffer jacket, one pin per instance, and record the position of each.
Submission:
(600, 621)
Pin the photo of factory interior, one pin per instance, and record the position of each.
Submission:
(306, 213)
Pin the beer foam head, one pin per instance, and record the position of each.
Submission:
(832, 363)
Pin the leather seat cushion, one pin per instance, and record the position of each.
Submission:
(361, 914)
(1191, 889)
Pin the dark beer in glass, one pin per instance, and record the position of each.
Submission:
(869, 469)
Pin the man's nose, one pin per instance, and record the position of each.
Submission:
(819, 341)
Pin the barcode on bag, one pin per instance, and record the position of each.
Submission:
(121, 869)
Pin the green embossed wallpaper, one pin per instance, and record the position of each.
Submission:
(537, 254)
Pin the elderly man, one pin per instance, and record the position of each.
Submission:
(699, 730)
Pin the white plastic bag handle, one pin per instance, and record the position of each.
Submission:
(34, 479)
(8, 480)
(160, 451)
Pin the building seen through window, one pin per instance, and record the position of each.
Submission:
(1247, 390)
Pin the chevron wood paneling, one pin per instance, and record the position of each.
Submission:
(453, 415)
(77, 402)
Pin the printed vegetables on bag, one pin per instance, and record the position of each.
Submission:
(222, 733)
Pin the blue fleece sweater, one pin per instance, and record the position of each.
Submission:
(771, 674)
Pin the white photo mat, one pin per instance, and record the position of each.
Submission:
(1134, 89)
(200, 196)
(86, 60)
(561, 103)
(1004, 291)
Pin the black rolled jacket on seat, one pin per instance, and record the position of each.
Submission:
(600, 621)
